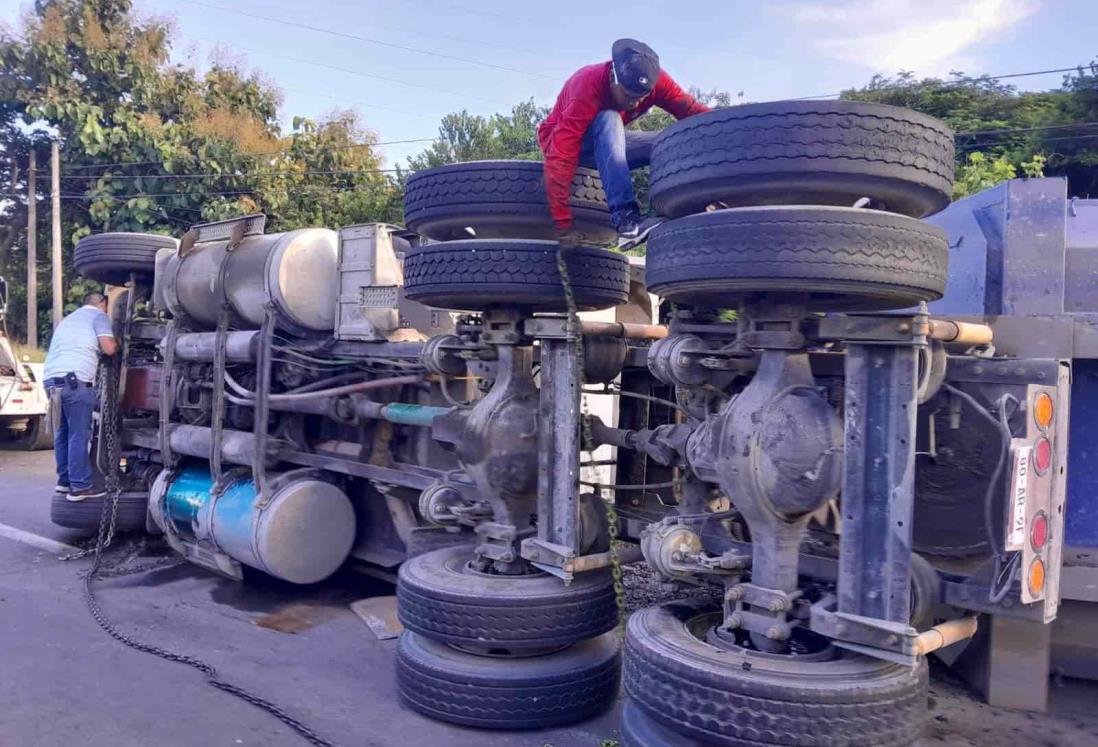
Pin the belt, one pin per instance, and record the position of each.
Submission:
(60, 381)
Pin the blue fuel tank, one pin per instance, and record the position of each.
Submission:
(303, 534)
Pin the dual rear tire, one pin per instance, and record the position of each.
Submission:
(504, 652)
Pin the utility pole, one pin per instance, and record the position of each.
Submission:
(32, 256)
(58, 300)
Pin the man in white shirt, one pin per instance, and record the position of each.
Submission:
(70, 379)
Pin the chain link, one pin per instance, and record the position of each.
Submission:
(575, 333)
(99, 569)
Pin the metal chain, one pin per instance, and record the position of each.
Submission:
(575, 332)
(108, 376)
(110, 431)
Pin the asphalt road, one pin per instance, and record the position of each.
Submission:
(64, 682)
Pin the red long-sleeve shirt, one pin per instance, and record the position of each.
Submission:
(584, 95)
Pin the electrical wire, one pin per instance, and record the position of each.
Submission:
(956, 81)
(989, 494)
(235, 174)
(366, 172)
(639, 486)
(1013, 130)
(275, 152)
(366, 39)
(635, 395)
(1005, 568)
(977, 146)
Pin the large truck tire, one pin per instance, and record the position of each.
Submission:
(499, 199)
(729, 697)
(804, 153)
(535, 692)
(111, 257)
(638, 730)
(85, 514)
(481, 274)
(836, 259)
(37, 436)
(438, 596)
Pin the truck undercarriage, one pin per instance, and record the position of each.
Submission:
(792, 427)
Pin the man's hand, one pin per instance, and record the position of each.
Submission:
(569, 238)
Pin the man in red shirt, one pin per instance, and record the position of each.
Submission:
(587, 126)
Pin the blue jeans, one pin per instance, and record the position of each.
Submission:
(614, 151)
(70, 443)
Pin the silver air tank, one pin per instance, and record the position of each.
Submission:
(295, 271)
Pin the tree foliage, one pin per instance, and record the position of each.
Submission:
(149, 146)
(1051, 131)
(469, 137)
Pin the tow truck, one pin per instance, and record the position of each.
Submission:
(24, 405)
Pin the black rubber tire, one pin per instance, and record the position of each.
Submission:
(37, 436)
(436, 598)
(804, 153)
(740, 697)
(638, 730)
(480, 274)
(111, 257)
(499, 199)
(85, 514)
(500, 693)
(838, 259)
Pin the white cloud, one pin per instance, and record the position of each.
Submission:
(927, 36)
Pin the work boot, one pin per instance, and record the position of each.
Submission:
(78, 495)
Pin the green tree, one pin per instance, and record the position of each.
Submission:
(469, 137)
(1049, 132)
(657, 119)
(979, 172)
(146, 146)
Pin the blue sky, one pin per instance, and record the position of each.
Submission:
(766, 50)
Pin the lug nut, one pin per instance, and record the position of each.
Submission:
(776, 605)
(776, 634)
(734, 594)
(734, 621)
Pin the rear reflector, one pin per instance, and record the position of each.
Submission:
(1042, 455)
(1036, 576)
(1038, 530)
(1042, 410)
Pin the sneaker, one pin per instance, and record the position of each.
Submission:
(632, 234)
(60, 489)
(78, 495)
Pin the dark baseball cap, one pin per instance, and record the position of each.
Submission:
(636, 66)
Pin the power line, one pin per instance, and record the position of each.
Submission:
(338, 172)
(355, 102)
(228, 175)
(366, 39)
(352, 71)
(1013, 130)
(955, 81)
(263, 153)
(240, 175)
(978, 146)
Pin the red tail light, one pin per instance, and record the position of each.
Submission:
(1038, 530)
(1042, 455)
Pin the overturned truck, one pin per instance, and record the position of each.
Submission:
(792, 429)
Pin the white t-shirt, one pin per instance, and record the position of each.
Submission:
(74, 346)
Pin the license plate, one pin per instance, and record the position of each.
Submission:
(1019, 490)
